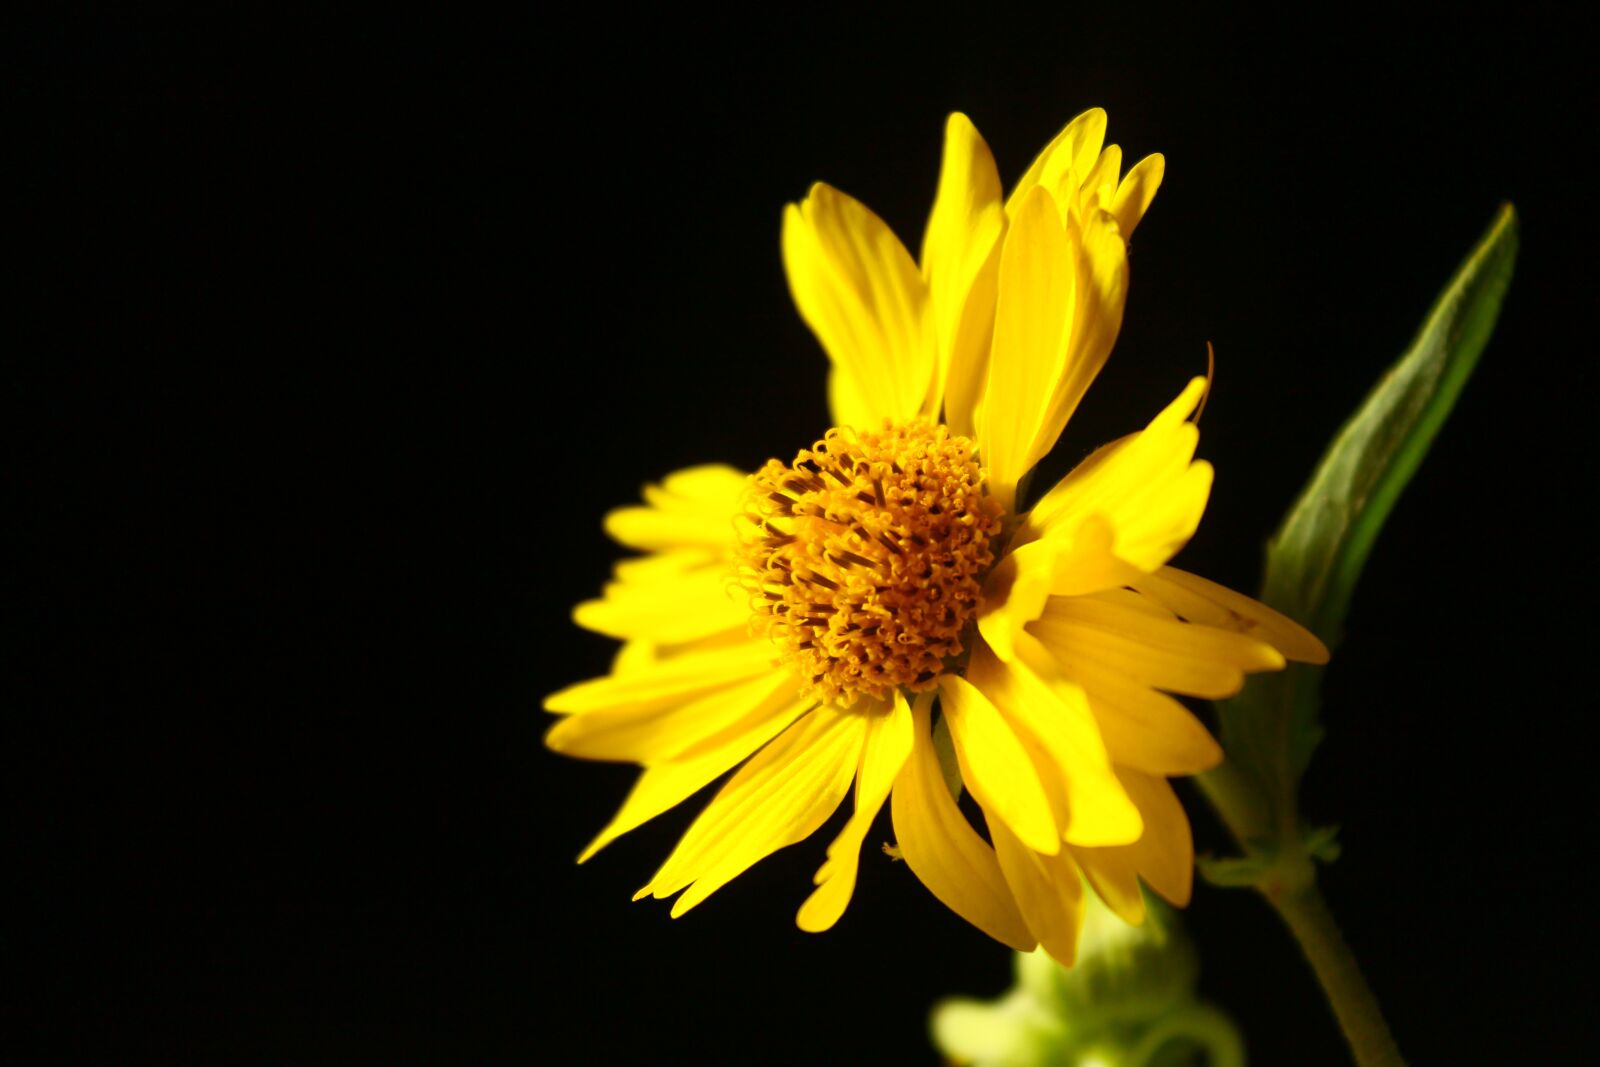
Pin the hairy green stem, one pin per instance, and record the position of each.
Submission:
(1308, 918)
(1287, 879)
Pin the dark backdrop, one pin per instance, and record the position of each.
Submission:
(330, 350)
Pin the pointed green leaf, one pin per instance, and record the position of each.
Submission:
(1316, 557)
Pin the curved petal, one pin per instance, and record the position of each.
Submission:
(1142, 728)
(1048, 891)
(1100, 186)
(960, 263)
(1073, 150)
(691, 507)
(1069, 561)
(1032, 328)
(670, 597)
(996, 766)
(1052, 719)
(662, 684)
(1202, 601)
(1014, 594)
(847, 404)
(666, 785)
(943, 850)
(1165, 654)
(1137, 191)
(883, 754)
(783, 795)
(857, 288)
(664, 732)
(1147, 486)
(1101, 292)
(1163, 857)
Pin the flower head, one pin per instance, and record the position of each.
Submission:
(846, 617)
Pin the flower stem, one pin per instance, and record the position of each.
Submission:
(1282, 871)
(1308, 918)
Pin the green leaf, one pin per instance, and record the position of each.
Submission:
(1316, 557)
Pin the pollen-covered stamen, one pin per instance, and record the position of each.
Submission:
(864, 558)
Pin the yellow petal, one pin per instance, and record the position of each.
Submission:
(846, 402)
(1014, 594)
(995, 765)
(781, 796)
(1074, 149)
(1100, 186)
(1115, 614)
(1051, 717)
(857, 288)
(706, 489)
(1033, 324)
(1163, 857)
(670, 607)
(665, 732)
(883, 754)
(943, 850)
(1102, 288)
(1048, 891)
(666, 785)
(960, 263)
(635, 654)
(1137, 191)
(1111, 873)
(692, 507)
(667, 682)
(1164, 854)
(1142, 728)
(1147, 486)
(1178, 657)
(1200, 600)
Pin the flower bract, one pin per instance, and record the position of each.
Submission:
(879, 615)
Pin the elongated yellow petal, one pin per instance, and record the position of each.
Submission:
(1100, 186)
(883, 754)
(666, 785)
(1201, 600)
(691, 507)
(1098, 298)
(847, 403)
(1113, 615)
(995, 765)
(857, 288)
(943, 850)
(665, 683)
(781, 796)
(670, 607)
(1032, 328)
(1048, 891)
(1111, 872)
(1068, 561)
(1178, 657)
(1164, 854)
(665, 732)
(1147, 486)
(960, 263)
(1074, 150)
(1014, 594)
(1163, 857)
(1142, 728)
(1052, 719)
(1137, 191)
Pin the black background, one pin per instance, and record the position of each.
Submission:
(330, 349)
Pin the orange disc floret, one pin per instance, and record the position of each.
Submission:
(864, 557)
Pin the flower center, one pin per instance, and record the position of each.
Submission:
(864, 557)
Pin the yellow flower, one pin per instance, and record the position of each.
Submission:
(848, 616)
